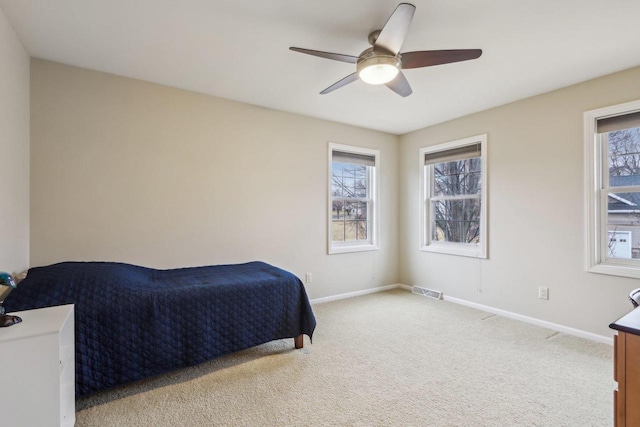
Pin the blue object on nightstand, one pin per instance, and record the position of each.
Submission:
(8, 284)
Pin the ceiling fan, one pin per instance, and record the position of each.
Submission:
(383, 63)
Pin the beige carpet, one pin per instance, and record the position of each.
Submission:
(391, 358)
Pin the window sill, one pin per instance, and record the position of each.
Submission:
(351, 248)
(467, 250)
(616, 270)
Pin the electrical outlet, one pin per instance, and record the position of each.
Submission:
(307, 277)
(543, 293)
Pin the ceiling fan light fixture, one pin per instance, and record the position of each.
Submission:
(378, 70)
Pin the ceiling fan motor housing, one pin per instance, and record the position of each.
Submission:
(372, 59)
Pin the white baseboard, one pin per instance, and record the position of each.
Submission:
(355, 294)
(533, 321)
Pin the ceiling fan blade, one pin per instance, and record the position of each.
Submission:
(337, 85)
(395, 30)
(400, 85)
(427, 58)
(327, 55)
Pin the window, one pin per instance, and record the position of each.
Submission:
(353, 207)
(454, 197)
(612, 176)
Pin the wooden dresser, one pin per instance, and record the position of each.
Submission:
(626, 370)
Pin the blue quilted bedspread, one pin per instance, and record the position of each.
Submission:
(134, 322)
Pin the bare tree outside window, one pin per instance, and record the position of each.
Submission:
(350, 203)
(456, 201)
(624, 152)
(623, 207)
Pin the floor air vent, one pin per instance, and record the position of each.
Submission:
(426, 292)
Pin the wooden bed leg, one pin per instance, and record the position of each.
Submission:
(299, 341)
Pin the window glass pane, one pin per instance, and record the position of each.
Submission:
(348, 180)
(361, 230)
(336, 179)
(457, 178)
(349, 188)
(336, 188)
(337, 230)
(351, 210)
(350, 230)
(360, 210)
(623, 225)
(624, 157)
(456, 220)
(350, 221)
(337, 211)
(361, 187)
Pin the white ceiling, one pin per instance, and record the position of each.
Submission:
(238, 49)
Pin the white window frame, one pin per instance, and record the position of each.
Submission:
(596, 194)
(426, 190)
(373, 214)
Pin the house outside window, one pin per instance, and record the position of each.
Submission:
(353, 198)
(454, 197)
(612, 178)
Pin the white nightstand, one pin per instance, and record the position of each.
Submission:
(37, 369)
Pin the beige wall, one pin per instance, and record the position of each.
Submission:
(130, 171)
(536, 210)
(14, 151)
(125, 170)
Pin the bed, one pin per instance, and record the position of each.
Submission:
(134, 322)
